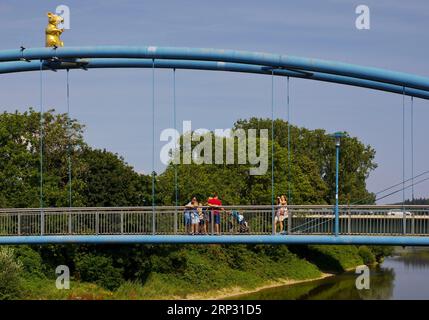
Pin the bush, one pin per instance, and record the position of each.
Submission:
(10, 269)
(380, 252)
(174, 263)
(100, 270)
(367, 255)
(31, 261)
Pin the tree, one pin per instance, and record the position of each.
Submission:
(20, 158)
(99, 177)
(109, 181)
(356, 159)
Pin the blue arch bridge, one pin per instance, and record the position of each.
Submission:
(353, 224)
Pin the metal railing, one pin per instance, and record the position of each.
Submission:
(256, 220)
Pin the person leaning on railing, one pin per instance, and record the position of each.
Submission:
(192, 219)
(202, 218)
(215, 203)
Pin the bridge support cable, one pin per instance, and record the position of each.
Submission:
(272, 153)
(153, 147)
(69, 146)
(289, 176)
(176, 191)
(404, 224)
(360, 201)
(42, 213)
(69, 151)
(412, 149)
(401, 189)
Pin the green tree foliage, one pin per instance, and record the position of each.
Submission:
(380, 252)
(418, 201)
(367, 255)
(31, 261)
(20, 147)
(312, 171)
(356, 159)
(99, 177)
(109, 181)
(10, 269)
(99, 269)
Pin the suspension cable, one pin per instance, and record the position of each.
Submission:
(402, 189)
(392, 186)
(153, 146)
(403, 145)
(42, 213)
(412, 149)
(288, 145)
(176, 191)
(272, 151)
(404, 225)
(69, 136)
(176, 200)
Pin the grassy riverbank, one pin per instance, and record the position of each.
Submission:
(196, 272)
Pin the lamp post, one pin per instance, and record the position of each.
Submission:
(337, 136)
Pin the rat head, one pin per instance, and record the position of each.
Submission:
(54, 19)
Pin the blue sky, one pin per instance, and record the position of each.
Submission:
(115, 105)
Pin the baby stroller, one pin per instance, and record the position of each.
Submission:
(237, 217)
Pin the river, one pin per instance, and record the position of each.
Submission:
(405, 275)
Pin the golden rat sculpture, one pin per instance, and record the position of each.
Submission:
(52, 32)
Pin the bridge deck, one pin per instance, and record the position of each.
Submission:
(303, 224)
(222, 239)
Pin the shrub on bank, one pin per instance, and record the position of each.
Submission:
(31, 260)
(380, 252)
(10, 269)
(100, 270)
(367, 256)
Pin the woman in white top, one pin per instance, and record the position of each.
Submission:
(194, 216)
(282, 212)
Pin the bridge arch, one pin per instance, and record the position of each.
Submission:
(216, 60)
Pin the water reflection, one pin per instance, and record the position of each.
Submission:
(415, 258)
(404, 276)
(339, 287)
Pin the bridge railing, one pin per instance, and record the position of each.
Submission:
(258, 220)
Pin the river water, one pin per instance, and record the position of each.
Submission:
(402, 276)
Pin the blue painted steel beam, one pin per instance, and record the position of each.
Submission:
(246, 57)
(22, 66)
(224, 239)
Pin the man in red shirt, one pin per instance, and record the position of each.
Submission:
(214, 202)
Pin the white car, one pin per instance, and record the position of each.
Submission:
(398, 213)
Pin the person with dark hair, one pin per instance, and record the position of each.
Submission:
(203, 222)
(215, 204)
